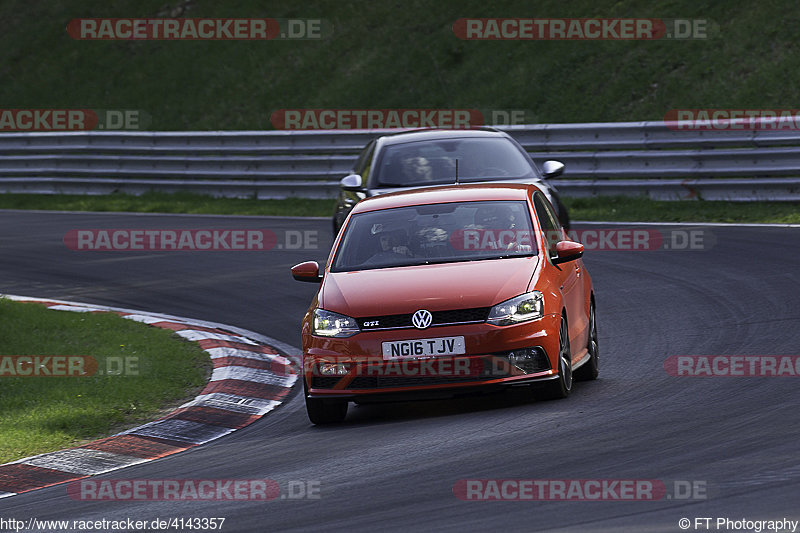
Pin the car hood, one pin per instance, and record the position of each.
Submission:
(401, 290)
(372, 190)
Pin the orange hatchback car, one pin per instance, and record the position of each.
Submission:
(447, 290)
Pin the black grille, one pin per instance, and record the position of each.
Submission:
(324, 382)
(454, 316)
(385, 322)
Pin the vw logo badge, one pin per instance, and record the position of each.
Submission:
(422, 319)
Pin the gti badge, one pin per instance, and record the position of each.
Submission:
(422, 319)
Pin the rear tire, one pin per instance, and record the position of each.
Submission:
(561, 387)
(323, 411)
(589, 370)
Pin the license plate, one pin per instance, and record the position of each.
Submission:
(423, 347)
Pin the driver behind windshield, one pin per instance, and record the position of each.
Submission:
(416, 168)
(499, 228)
(495, 217)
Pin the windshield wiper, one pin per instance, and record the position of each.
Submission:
(467, 260)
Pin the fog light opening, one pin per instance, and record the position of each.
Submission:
(334, 369)
(529, 360)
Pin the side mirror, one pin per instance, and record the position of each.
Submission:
(351, 182)
(567, 251)
(552, 169)
(308, 271)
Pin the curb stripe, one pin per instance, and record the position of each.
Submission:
(214, 416)
(74, 308)
(136, 446)
(196, 335)
(83, 461)
(216, 343)
(249, 379)
(220, 362)
(145, 319)
(256, 375)
(274, 366)
(225, 351)
(248, 388)
(178, 326)
(240, 404)
(181, 431)
(22, 478)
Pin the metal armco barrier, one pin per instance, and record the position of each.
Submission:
(618, 158)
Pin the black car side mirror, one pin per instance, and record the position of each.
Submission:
(552, 169)
(351, 182)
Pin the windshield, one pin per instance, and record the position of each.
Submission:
(433, 162)
(435, 233)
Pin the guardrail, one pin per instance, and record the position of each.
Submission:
(627, 158)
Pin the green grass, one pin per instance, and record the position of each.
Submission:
(621, 208)
(41, 414)
(155, 202)
(606, 208)
(399, 55)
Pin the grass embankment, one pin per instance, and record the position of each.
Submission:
(388, 55)
(606, 208)
(644, 210)
(141, 371)
(155, 202)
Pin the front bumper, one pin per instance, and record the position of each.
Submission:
(496, 357)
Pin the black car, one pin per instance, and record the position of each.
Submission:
(421, 158)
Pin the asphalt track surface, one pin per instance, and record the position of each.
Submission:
(393, 467)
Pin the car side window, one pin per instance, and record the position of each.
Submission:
(365, 162)
(548, 222)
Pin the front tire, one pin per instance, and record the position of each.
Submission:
(561, 387)
(589, 370)
(323, 411)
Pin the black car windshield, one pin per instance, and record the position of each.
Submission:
(436, 233)
(433, 162)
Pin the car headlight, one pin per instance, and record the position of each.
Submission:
(330, 324)
(528, 306)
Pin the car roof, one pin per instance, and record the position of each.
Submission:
(447, 193)
(433, 134)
